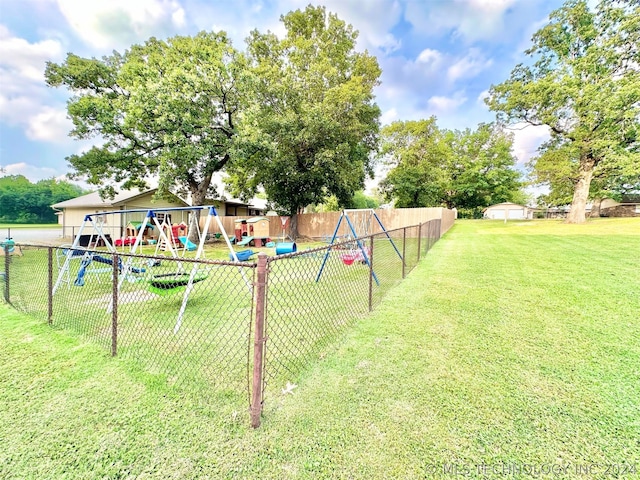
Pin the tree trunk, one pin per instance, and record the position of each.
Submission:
(293, 227)
(581, 191)
(595, 208)
(197, 199)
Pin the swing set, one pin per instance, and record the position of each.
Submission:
(359, 224)
(161, 283)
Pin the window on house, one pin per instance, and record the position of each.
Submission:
(231, 210)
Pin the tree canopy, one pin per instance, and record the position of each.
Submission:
(24, 202)
(585, 87)
(467, 170)
(165, 108)
(312, 124)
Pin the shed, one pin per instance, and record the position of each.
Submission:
(507, 211)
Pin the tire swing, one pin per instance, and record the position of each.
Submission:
(169, 282)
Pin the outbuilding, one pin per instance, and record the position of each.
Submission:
(508, 211)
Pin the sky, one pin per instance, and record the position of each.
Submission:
(438, 58)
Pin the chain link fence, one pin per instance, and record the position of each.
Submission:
(228, 328)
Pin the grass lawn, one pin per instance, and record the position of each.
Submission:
(4, 226)
(511, 346)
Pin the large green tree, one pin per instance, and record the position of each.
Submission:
(558, 168)
(585, 87)
(163, 108)
(24, 202)
(313, 123)
(417, 154)
(463, 169)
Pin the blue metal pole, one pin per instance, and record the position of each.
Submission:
(360, 246)
(326, 255)
(387, 234)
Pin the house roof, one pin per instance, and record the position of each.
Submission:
(93, 200)
(505, 204)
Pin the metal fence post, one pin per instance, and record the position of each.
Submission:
(404, 252)
(114, 310)
(371, 273)
(50, 285)
(6, 273)
(419, 240)
(259, 339)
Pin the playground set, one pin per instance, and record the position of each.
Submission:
(171, 238)
(359, 224)
(156, 229)
(252, 231)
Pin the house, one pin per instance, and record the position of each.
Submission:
(507, 210)
(629, 206)
(71, 213)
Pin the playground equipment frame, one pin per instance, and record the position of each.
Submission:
(363, 251)
(149, 219)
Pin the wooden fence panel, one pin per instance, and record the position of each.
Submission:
(322, 225)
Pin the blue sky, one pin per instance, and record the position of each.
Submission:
(439, 57)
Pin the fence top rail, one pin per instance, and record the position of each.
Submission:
(147, 210)
(138, 255)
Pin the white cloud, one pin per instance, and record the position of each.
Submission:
(482, 96)
(429, 57)
(49, 125)
(117, 23)
(471, 20)
(468, 66)
(21, 61)
(32, 172)
(389, 116)
(24, 96)
(442, 104)
(526, 140)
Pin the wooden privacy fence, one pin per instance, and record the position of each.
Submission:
(319, 225)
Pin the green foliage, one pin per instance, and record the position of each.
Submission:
(585, 86)
(361, 200)
(163, 107)
(24, 202)
(558, 167)
(416, 151)
(312, 124)
(466, 169)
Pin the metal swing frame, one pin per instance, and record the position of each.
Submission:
(360, 245)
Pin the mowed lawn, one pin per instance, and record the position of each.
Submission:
(510, 348)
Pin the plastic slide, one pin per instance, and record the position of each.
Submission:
(245, 241)
(188, 243)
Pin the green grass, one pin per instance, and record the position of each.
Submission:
(4, 226)
(510, 344)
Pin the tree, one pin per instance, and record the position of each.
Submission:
(417, 153)
(558, 167)
(165, 108)
(584, 86)
(313, 123)
(482, 170)
(467, 170)
(24, 202)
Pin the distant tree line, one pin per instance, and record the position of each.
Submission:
(24, 202)
(431, 167)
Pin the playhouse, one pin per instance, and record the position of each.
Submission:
(253, 230)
